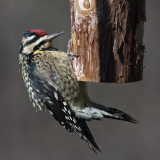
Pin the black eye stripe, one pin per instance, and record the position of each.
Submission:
(34, 39)
(31, 41)
(40, 44)
(37, 46)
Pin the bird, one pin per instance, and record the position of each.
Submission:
(53, 87)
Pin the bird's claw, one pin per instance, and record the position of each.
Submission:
(71, 55)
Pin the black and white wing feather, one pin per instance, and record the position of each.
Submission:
(54, 103)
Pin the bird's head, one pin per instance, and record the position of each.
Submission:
(36, 39)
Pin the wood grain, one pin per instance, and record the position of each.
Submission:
(108, 36)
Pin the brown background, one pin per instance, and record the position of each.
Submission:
(27, 135)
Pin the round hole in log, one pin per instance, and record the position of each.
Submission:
(86, 4)
(85, 7)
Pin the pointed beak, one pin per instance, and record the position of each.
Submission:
(54, 35)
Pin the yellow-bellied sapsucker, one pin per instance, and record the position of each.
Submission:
(52, 86)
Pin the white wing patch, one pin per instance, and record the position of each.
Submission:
(56, 95)
(91, 113)
(65, 104)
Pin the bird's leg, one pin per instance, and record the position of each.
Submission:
(70, 55)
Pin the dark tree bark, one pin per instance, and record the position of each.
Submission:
(108, 36)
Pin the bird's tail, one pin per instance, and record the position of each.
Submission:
(113, 113)
(88, 137)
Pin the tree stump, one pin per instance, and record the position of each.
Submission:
(108, 37)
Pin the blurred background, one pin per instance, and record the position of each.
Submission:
(27, 135)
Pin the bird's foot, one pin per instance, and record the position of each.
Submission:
(70, 54)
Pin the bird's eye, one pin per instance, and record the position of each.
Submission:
(34, 39)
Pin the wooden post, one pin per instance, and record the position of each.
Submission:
(108, 36)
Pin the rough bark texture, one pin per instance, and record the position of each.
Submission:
(108, 36)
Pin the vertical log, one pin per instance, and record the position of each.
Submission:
(108, 36)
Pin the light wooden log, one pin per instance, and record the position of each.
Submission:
(108, 36)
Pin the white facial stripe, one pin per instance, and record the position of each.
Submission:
(28, 49)
(29, 38)
(26, 40)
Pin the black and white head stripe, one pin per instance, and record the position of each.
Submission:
(36, 39)
(32, 41)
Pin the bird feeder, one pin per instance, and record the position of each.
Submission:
(107, 35)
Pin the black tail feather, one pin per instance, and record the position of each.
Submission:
(114, 113)
(89, 135)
